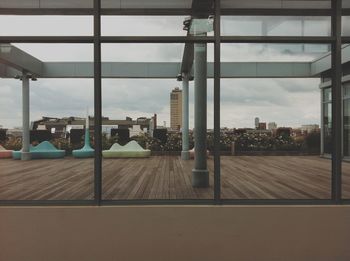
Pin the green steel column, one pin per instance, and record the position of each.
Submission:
(200, 173)
(25, 155)
(185, 154)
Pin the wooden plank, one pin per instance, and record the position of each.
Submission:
(168, 177)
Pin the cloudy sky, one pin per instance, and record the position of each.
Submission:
(288, 102)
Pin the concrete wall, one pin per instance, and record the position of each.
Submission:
(175, 233)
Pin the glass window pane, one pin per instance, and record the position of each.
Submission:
(142, 126)
(346, 26)
(276, 25)
(272, 128)
(271, 139)
(58, 115)
(39, 25)
(277, 4)
(46, 4)
(346, 141)
(143, 25)
(327, 121)
(273, 52)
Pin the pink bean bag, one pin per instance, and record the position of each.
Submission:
(5, 154)
(192, 153)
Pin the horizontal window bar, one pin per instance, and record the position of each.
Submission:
(46, 39)
(163, 11)
(278, 202)
(345, 11)
(90, 11)
(263, 202)
(48, 203)
(46, 11)
(168, 39)
(278, 39)
(159, 202)
(157, 39)
(345, 201)
(345, 39)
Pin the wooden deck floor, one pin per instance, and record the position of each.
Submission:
(168, 177)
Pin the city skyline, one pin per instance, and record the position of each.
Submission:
(291, 102)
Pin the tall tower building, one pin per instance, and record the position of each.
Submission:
(256, 122)
(176, 109)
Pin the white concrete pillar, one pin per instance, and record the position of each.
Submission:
(25, 155)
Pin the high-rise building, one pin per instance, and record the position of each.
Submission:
(256, 122)
(272, 126)
(176, 109)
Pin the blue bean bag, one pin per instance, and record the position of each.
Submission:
(44, 150)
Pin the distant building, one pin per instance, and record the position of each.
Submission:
(254, 131)
(262, 126)
(15, 132)
(176, 109)
(256, 122)
(272, 126)
(310, 128)
(59, 127)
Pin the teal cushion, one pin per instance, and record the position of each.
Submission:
(85, 152)
(44, 150)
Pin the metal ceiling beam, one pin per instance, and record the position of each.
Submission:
(324, 63)
(20, 60)
(168, 70)
(8, 72)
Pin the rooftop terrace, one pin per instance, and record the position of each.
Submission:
(168, 177)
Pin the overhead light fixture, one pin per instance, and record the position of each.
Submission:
(29, 76)
(187, 23)
(179, 77)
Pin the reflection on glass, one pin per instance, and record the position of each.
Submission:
(276, 4)
(346, 106)
(140, 53)
(346, 3)
(271, 140)
(276, 25)
(346, 142)
(272, 52)
(142, 124)
(327, 120)
(143, 25)
(200, 26)
(34, 25)
(345, 26)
